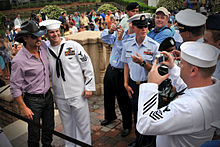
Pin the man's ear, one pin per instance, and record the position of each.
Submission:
(194, 71)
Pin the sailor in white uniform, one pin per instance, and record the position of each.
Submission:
(69, 64)
(191, 25)
(186, 121)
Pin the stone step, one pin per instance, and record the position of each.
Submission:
(18, 128)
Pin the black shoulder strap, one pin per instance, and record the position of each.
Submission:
(166, 28)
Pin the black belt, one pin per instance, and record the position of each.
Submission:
(116, 69)
(138, 82)
(37, 95)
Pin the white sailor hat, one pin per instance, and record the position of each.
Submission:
(139, 19)
(51, 24)
(190, 18)
(199, 54)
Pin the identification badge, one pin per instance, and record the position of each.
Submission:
(116, 58)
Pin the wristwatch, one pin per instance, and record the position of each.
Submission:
(142, 63)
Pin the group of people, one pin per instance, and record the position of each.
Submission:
(66, 61)
(90, 20)
(133, 76)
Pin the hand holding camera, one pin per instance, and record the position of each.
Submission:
(162, 69)
(168, 59)
(154, 76)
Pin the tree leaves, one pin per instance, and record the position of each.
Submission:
(52, 11)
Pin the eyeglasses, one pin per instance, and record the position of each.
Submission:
(141, 27)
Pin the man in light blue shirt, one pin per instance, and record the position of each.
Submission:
(161, 30)
(114, 79)
(143, 49)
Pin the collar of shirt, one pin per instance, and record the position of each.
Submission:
(63, 41)
(144, 43)
(27, 53)
(125, 35)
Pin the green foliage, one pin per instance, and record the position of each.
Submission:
(171, 5)
(143, 6)
(91, 1)
(40, 4)
(52, 11)
(1, 15)
(106, 7)
(1, 25)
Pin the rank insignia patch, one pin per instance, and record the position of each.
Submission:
(69, 52)
(148, 52)
(84, 57)
(156, 115)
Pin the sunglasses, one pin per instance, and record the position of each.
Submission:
(181, 29)
(33, 37)
(141, 27)
(137, 11)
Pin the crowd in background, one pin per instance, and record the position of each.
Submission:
(71, 24)
(170, 33)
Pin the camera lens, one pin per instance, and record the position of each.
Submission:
(162, 70)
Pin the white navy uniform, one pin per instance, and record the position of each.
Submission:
(216, 74)
(73, 107)
(186, 121)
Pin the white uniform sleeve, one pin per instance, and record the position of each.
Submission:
(176, 118)
(177, 81)
(87, 68)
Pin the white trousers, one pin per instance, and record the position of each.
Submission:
(74, 114)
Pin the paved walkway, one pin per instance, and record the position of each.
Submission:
(102, 136)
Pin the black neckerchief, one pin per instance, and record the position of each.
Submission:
(59, 67)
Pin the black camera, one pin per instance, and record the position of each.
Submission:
(163, 69)
(161, 58)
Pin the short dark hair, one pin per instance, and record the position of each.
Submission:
(207, 72)
(215, 35)
(96, 20)
(197, 31)
(132, 6)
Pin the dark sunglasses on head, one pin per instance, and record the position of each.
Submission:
(141, 27)
(43, 28)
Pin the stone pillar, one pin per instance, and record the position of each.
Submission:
(98, 52)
